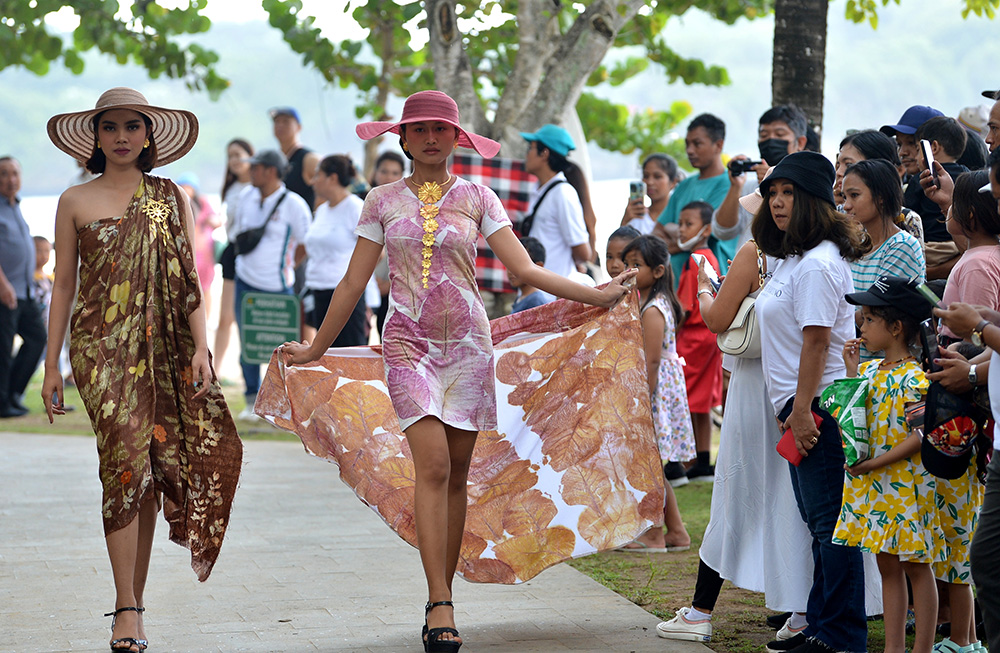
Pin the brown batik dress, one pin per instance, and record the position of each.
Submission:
(131, 350)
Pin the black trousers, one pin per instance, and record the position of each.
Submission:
(16, 370)
(354, 333)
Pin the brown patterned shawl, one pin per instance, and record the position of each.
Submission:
(131, 351)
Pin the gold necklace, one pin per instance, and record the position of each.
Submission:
(429, 193)
(896, 362)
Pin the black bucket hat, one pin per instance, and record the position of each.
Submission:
(810, 171)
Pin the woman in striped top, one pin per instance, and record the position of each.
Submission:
(873, 197)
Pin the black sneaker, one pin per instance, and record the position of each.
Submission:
(813, 646)
(702, 473)
(776, 621)
(675, 474)
(780, 645)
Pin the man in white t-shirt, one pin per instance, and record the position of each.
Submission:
(269, 266)
(555, 215)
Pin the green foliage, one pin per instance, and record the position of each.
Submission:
(617, 129)
(861, 11)
(490, 39)
(146, 38)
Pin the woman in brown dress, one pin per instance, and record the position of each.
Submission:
(139, 345)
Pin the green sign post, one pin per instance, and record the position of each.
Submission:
(268, 321)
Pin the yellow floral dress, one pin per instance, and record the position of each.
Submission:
(958, 504)
(892, 509)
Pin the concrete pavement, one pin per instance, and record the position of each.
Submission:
(305, 567)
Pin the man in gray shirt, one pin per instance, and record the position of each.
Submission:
(19, 313)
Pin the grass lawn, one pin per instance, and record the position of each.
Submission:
(659, 582)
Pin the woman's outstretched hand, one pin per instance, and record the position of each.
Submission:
(296, 353)
(616, 289)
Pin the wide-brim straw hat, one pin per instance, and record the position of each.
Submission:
(426, 106)
(174, 130)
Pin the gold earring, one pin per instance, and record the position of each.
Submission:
(405, 149)
(146, 144)
(456, 143)
(98, 144)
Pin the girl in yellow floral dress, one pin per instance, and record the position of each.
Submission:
(889, 499)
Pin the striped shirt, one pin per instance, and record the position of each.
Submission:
(899, 256)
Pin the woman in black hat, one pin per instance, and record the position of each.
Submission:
(804, 324)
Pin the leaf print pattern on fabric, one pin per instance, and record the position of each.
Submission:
(892, 509)
(536, 495)
(131, 349)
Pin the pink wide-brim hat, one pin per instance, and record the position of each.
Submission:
(753, 201)
(425, 106)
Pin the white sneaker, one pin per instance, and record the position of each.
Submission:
(787, 632)
(680, 628)
(247, 415)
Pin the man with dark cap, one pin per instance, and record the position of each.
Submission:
(267, 267)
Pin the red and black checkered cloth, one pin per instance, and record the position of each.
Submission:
(508, 179)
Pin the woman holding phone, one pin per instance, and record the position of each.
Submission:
(804, 323)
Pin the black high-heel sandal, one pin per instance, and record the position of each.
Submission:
(432, 643)
(131, 641)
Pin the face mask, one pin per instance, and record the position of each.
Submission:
(773, 150)
(688, 245)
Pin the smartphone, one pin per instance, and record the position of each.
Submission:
(636, 191)
(925, 146)
(713, 278)
(929, 343)
(929, 295)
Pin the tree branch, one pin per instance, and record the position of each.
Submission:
(452, 69)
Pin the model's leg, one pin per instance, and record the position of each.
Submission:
(144, 547)
(122, 550)
(227, 316)
(460, 446)
(432, 466)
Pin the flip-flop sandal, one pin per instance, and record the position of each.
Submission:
(635, 546)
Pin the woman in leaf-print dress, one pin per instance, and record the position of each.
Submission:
(437, 346)
(139, 344)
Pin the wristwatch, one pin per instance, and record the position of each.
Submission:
(977, 333)
(973, 379)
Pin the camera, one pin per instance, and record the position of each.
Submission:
(742, 166)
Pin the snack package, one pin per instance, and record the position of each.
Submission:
(846, 401)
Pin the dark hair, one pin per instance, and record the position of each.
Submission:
(627, 232)
(557, 162)
(882, 180)
(948, 132)
(230, 177)
(341, 166)
(147, 157)
(654, 252)
(578, 180)
(812, 221)
(974, 212)
(535, 249)
(812, 141)
(704, 210)
(873, 144)
(666, 163)
(890, 314)
(789, 114)
(713, 126)
(389, 156)
(993, 162)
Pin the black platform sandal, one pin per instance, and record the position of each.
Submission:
(430, 637)
(131, 641)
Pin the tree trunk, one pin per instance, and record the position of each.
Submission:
(798, 69)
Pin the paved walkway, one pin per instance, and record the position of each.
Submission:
(305, 567)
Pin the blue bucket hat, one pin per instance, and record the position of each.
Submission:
(554, 138)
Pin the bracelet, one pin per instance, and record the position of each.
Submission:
(706, 292)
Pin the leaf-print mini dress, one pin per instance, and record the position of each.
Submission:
(437, 347)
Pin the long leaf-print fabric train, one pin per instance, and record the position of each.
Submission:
(131, 350)
(572, 469)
